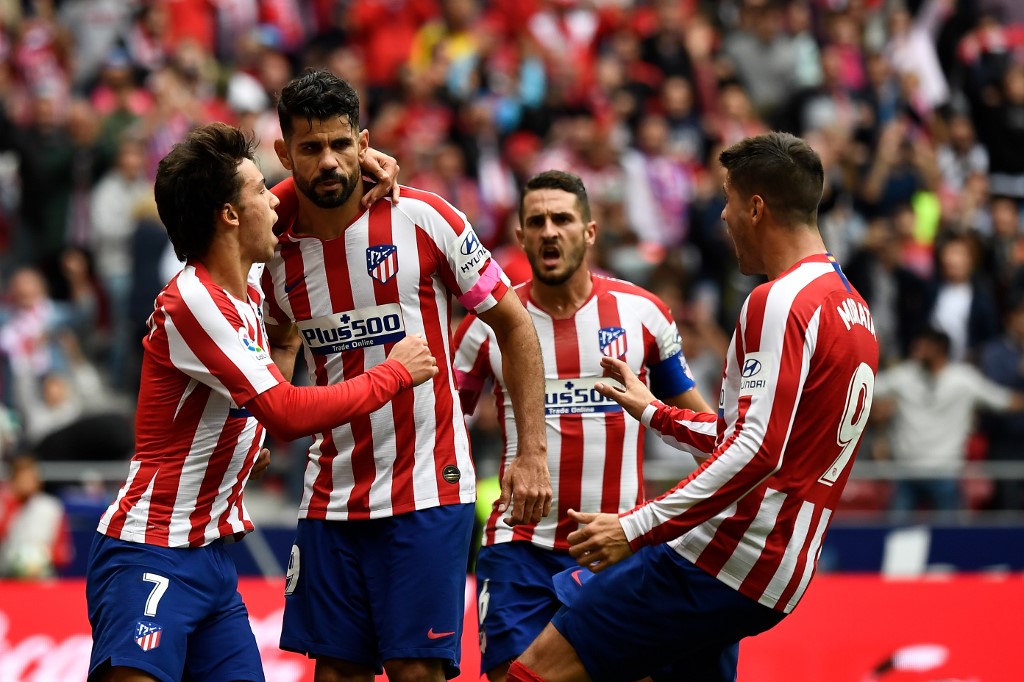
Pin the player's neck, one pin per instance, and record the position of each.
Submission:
(327, 223)
(228, 271)
(790, 245)
(561, 301)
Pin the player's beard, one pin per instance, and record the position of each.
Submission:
(348, 185)
(573, 260)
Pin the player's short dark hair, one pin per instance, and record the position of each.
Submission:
(317, 95)
(194, 181)
(782, 169)
(556, 179)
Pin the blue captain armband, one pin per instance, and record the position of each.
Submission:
(671, 376)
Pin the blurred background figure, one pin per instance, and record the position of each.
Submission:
(34, 540)
(930, 402)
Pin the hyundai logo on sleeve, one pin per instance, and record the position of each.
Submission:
(755, 373)
(470, 244)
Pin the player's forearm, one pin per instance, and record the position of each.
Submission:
(290, 412)
(284, 357)
(693, 431)
(524, 378)
(721, 481)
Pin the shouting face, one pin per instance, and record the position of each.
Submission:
(553, 234)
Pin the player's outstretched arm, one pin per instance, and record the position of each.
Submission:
(600, 542)
(291, 412)
(377, 164)
(634, 396)
(526, 484)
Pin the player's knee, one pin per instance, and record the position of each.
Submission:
(336, 670)
(498, 673)
(415, 670)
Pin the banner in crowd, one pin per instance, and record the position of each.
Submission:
(847, 629)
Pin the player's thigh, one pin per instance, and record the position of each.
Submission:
(655, 608)
(416, 577)
(223, 647)
(327, 605)
(121, 674)
(515, 597)
(144, 602)
(708, 665)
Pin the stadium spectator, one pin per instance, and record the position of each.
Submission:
(763, 57)
(895, 293)
(1002, 361)
(112, 225)
(714, 556)
(910, 49)
(930, 402)
(207, 370)
(402, 475)
(595, 451)
(34, 538)
(959, 302)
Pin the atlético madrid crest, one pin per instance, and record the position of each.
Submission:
(612, 341)
(382, 262)
(147, 635)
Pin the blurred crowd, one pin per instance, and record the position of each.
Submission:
(916, 108)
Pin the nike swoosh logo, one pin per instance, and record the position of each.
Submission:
(288, 286)
(438, 635)
(576, 576)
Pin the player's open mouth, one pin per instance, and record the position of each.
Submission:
(550, 255)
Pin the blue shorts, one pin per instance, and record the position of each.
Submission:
(657, 614)
(171, 613)
(380, 589)
(515, 597)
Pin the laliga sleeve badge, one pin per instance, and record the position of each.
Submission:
(451, 473)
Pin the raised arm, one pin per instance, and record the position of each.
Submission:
(691, 430)
(527, 482)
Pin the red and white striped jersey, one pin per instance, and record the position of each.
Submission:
(205, 356)
(796, 395)
(391, 273)
(595, 450)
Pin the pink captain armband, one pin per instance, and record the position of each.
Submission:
(483, 288)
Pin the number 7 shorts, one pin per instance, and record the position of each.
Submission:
(168, 611)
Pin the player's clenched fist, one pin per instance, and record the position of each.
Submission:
(414, 354)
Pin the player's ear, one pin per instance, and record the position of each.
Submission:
(364, 142)
(591, 233)
(281, 149)
(756, 207)
(229, 214)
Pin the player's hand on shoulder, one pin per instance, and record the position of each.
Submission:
(384, 169)
(634, 396)
(414, 354)
(600, 541)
